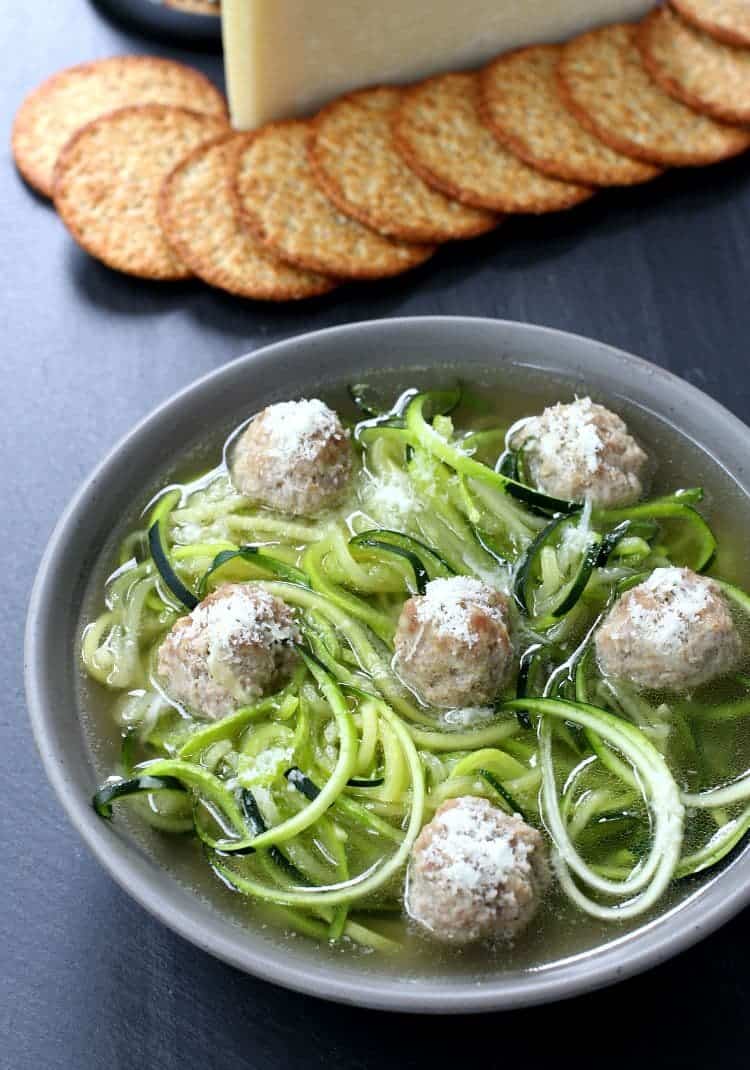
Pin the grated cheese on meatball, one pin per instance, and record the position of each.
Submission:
(582, 451)
(452, 643)
(672, 632)
(294, 457)
(475, 873)
(232, 649)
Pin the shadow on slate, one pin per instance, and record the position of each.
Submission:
(229, 1020)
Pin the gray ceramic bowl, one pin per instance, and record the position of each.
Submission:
(298, 367)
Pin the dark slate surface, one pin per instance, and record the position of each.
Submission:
(87, 979)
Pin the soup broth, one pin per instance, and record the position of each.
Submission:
(703, 751)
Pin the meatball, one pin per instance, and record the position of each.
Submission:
(475, 873)
(295, 457)
(671, 633)
(452, 643)
(582, 451)
(233, 648)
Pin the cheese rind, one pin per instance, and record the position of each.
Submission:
(288, 57)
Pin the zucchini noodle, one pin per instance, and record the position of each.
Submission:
(371, 881)
(660, 793)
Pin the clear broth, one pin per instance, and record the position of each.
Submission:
(559, 931)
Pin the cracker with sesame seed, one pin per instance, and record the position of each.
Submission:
(521, 105)
(726, 20)
(707, 75)
(356, 164)
(277, 197)
(605, 84)
(52, 113)
(199, 222)
(439, 133)
(108, 179)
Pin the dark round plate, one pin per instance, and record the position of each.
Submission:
(164, 23)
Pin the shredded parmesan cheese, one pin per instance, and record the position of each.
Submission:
(294, 457)
(265, 767)
(295, 429)
(666, 617)
(246, 617)
(472, 853)
(390, 498)
(468, 715)
(570, 427)
(448, 605)
(674, 631)
(581, 451)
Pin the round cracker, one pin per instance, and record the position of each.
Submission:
(199, 222)
(356, 164)
(726, 20)
(277, 197)
(108, 179)
(196, 7)
(52, 113)
(605, 84)
(439, 133)
(707, 75)
(521, 105)
(379, 97)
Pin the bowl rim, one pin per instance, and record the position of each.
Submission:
(659, 939)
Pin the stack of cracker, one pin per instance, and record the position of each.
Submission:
(147, 175)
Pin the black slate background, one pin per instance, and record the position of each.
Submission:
(87, 979)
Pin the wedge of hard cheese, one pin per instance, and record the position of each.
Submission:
(287, 57)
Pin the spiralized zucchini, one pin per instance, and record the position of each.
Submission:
(311, 799)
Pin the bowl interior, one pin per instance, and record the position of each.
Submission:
(302, 367)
